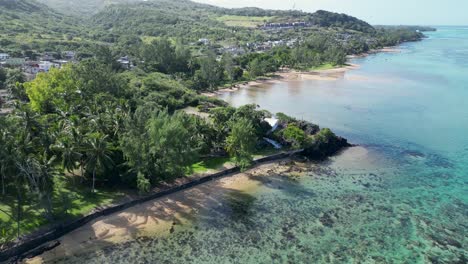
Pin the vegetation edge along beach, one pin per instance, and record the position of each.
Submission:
(37, 244)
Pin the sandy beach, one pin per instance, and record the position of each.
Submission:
(290, 75)
(375, 51)
(317, 75)
(160, 217)
(177, 212)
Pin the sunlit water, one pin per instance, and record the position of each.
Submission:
(400, 199)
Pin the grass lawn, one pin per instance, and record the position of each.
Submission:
(210, 164)
(244, 21)
(326, 66)
(218, 163)
(70, 201)
(80, 201)
(267, 152)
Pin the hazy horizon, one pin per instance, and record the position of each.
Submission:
(376, 12)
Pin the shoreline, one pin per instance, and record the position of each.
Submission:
(287, 75)
(161, 217)
(42, 242)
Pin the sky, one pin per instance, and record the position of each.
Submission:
(376, 12)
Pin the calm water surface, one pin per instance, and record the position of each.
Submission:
(403, 198)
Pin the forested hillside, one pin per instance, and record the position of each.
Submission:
(161, 18)
(28, 26)
(192, 21)
(83, 7)
(31, 27)
(329, 19)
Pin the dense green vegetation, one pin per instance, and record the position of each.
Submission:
(83, 7)
(87, 129)
(29, 27)
(82, 135)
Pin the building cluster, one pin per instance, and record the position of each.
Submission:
(268, 45)
(285, 25)
(125, 63)
(44, 63)
(4, 56)
(234, 50)
(347, 38)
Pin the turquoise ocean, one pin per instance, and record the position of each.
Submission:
(400, 197)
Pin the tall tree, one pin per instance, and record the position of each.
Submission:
(162, 56)
(210, 71)
(3, 77)
(171, 143)
(52, 91)
(70, 155)
(39, 170)
(98, 155)
(229, 66)
(157, 145)
(14, 84)
(241, 142)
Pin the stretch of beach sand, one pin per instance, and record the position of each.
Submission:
(156, 218)
(175, 212)
(287, 75)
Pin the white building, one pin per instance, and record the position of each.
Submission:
(204, 41)
(125, 62)
(45, 66)
(274, 123)
(69, 55)
(4, 56)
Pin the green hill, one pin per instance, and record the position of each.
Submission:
(162, 18)
(83, 7)
(191, 21)
(329, 19)
(148, 11)
(30, 25)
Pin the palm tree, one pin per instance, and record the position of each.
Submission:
(7, 163)
(38, 170)
(79, 141)
(67, 142)
(69, 154)
(98, 154)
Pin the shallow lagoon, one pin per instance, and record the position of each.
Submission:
(402, 197)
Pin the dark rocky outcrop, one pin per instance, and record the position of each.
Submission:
(318, 144)
(308, 127)
(324, 145)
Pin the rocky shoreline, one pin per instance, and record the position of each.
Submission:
(39, 243)
(169, 213)
(29, 249)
